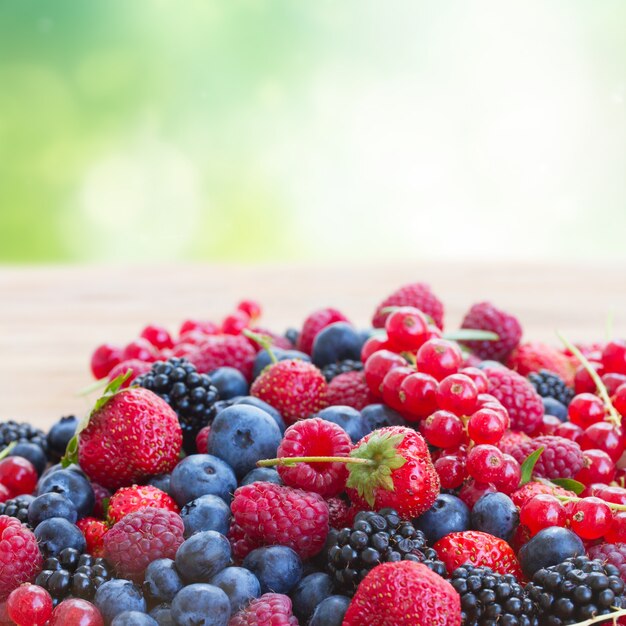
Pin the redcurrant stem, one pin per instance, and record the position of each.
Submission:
(611, 505)
(613, 416)
(410, 357)
(294, 460)
(603, 618)
(263, 340)
(7, 450)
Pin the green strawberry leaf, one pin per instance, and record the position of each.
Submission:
(570, 484)
(529, 465)
(7, 450)
(470, 334)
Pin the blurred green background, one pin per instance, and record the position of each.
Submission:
(136, 130)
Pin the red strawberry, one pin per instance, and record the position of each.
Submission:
(536, 356)
(399, 472)
(294, 388)
(477, 548)
(129, 499)
(131, 434)
(404, 593)
(418, 295)
(224, 350)
(350, 389)
(318, 320)
(94, 531)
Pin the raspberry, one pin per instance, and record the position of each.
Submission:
(271, 609)
(561, 458)
(140, 538)
(202, 440)
(485, 316)
(532, 489)
(94, 531)
(317, 321)
(535, 356)
(613, 553)
(224, 350)
(270, 514)
(315, 437)
(136, 367)
(20, 559)
(349, 389)
(518, 397)
(418, 295)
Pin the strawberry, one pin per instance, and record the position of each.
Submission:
(94, 531)
(224, 350)
(295, 388)
(404, 593)
(129, 499)
(535, 356)
(480, 549)
(130, 434)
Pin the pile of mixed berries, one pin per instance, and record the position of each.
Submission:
(399, 475)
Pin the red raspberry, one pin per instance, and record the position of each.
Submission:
(271, 514)
(418, 295)
(94, 531)
(315, 437)
(20, 559)
(140, 538)
(101, 493)
(350, 389)
(561, 458)
(613, 553)
(518, 397)
(104, 359)
(532, 489)
(129, 499)
(535, 356)
(271, 609)
(202, 440)
(318, 320)
(485, 316)
(136, 366)
(511, 438)
(340, 513)
(224, 350)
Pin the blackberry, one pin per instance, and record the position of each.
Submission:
(373, 539)
(190, 394)
(576, 590)
(488, 598)
(341, 367)
(12, 431)
(17, 507)
(73, 574)
(549, 385)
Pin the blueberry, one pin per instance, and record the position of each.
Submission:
(230, 382)
(330, 612)
(202, 556)
(56, 533)
(448, 514)
(548, 547)
(264, 406)
(60, 434)
(263, 358)
(337, 342)
(495, 513)
(242, 435)
(161, 581)
(161, 481)
(261, 474)
(51, 505)
(206, 513)
(239, 584)
(162, 614)
(200, 474)
(310, 591)
(201, 605)
(73, 485)
(33, 453)
(116, 596)
(345, 416)
(376, 416)
(551, 406)
(278, 568)
(133, 618)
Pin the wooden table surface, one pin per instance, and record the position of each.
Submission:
(51, 318)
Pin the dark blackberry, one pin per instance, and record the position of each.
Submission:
(488, 598)
(190, 394)
(373, 539)
(16, 507)
(549, 385)
(73, 574)
(341, 367)
(12, 431)
(576, 590)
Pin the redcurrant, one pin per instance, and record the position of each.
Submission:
(586, 409)
(457, 393)
(583, 383)
(486, 426)
(473, 491)
(391, 386)
(29, 605)
(485, 463)
(590, 518)
(76, 612)
(614, 356)
(511, 475)
(597, 468)
(479, 377)
(377, 366)
(140, 349)
(569, 431)
(104, 359)
(251, 308)
(439, 358)
(418, 395)
(442, 429)
(18, 475)
(604, 436)
(234, 323)
(158, 336)
(542, 511)
(407, 328)
(451, 470)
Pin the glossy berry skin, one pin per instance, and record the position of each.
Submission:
(548, 547)
(18, 475)
(76, 612)
(510, 476)
(377, 366)
(251, 308)
(597, 468)
(104, 359)
(590, 518)
(606, 437)
(479, 377)
(451, 471)
(458, 393)
(373, 344)
(586, 409)
(140, 349)
(158, 336)
(569, 431)
(486, 426)
(439, 358)
(443, 429)
(392, 384)
(130, 499)
(234, 323)
(205, 327)
(418, 396)
(541, 512)
(617, 531)
(484, 463)
(614, 356)
(407, 328)
(29, 605)
(619, 399)
(473, 490)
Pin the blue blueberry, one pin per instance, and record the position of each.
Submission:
(50, 505)
(448, 514)
(133, 618)
(377, 416)
(239, 584)
(161, 581)
(495, 513)
(337, 342)
(261, 474)
(330, 612)
(263, 359)
(56, 533)
(264, 406)
(161, 481)
(60, 434)
(201, 605)
(242, 435)
(205, 513)
(292, 335)
(311, 590)
(551, 406)
(230, 382)
(201, 474)
(116, 596)
(278, 568)
(345, 416)
(73, 485)
(162, 615)
(548, 547)
(33, 453)
(202, 556)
